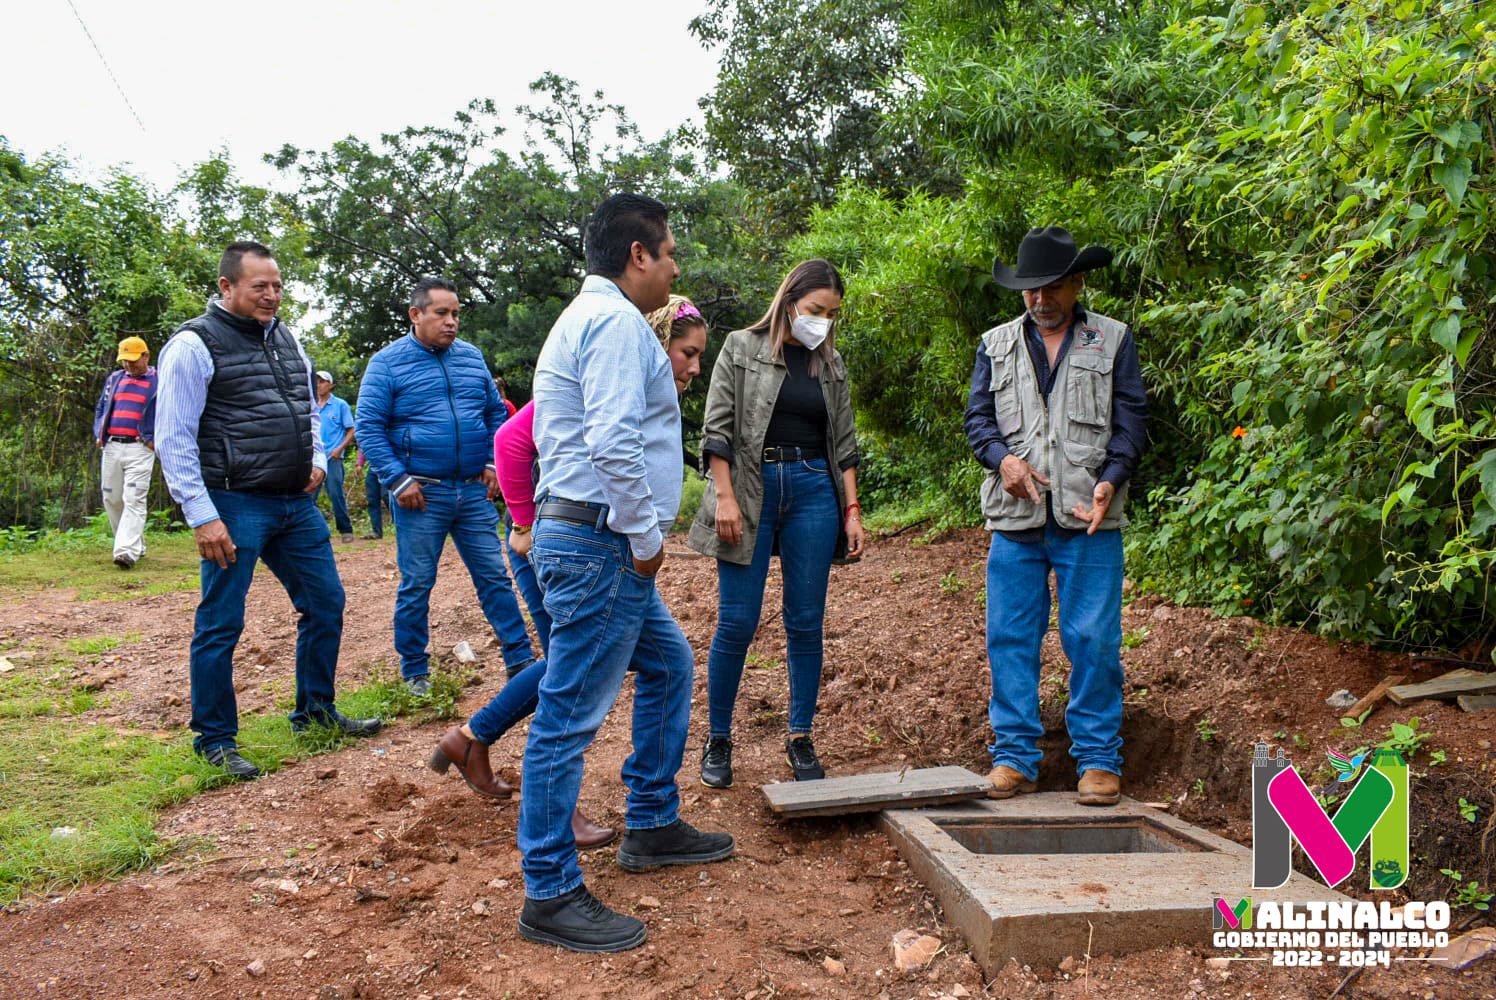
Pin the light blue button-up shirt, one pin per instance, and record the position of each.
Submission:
(185, 369)
(607, 417)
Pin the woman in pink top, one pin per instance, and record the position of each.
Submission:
(682, 331)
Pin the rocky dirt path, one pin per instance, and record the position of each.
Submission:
(362, 874)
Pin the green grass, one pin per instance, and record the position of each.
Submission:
(39, 685)
(98, 644)
(80, 802)
(85, 562)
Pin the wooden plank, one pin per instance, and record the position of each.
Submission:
(1456, 682)
(1476, 702)
(875, 792)
(1375, 696)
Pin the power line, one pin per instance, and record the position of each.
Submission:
(135, 114)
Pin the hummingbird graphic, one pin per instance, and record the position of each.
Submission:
(1347, 766)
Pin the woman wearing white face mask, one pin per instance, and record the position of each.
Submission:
(782, 454)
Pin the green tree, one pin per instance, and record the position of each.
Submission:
(81, 266)
(802, 99)
(506, 227)
(1299, 195)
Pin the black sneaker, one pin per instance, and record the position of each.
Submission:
(510, 673)
(420, 686)
(801, 753)
(677, 844)
(228, 758)
(124, 562)
(579, 921)
(716, 762)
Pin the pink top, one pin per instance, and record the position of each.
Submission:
(514, 458)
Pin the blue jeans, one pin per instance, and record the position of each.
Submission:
(375, 495)
(516, 699)
(333, 485)
(605, 617)
(801, 516)
(291, 536)
(529, 589)
(463, 511)
(1088, 575)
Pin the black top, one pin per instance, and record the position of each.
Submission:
(799, 418)
(255, 432)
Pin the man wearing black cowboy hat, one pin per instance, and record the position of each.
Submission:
(1058, 416)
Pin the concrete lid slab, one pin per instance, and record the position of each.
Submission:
(1039, 907)
(907, 789)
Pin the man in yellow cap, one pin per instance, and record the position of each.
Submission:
(124, 427)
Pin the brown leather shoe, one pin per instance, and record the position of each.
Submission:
(1008, 782)
(1099, 788)
(590, 834)
(471, 759)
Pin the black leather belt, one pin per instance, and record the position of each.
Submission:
(121, 439)
(575, 511)
(790, 453)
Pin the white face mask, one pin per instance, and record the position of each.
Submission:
(810, 330)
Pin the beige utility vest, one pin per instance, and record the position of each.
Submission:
(1064, 439)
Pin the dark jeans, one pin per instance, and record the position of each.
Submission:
(463, 511)
(516, 700)
(333, 484)
(606, 617)
(376, 496)
(799, 512)
(290, 534)
(529, 589)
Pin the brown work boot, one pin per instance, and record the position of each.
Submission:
(1099, 788)
(589, 834)
(471, 759)
(1008, 782)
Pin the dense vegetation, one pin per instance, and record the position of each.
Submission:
(1298, 192)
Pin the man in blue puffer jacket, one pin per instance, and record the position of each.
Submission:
(427, 414)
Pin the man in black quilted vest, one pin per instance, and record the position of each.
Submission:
(240, 447)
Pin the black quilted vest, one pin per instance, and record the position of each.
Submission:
(255, 433)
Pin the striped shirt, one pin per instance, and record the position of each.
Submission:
(131, 394)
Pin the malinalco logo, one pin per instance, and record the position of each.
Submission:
(1285, 810)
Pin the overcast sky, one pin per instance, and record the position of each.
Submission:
(249, 77)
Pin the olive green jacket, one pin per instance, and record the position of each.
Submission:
(745, 387)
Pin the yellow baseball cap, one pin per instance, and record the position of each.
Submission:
(131, 348)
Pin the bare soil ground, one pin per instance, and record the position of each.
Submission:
(362, 874)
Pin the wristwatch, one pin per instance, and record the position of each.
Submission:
(520, 529)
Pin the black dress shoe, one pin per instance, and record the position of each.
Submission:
(345, 725)
(716, 762)
(359, 727)
(579, 921)
(228, 758)
(677, 844)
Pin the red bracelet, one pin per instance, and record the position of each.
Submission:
(851, 505)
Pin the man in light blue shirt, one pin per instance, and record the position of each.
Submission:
(607, 430)
(241, 449)
(336, 417)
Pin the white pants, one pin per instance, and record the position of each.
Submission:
(126, 480)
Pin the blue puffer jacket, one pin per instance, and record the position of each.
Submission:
(423, 412)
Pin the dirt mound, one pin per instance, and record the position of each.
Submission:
(387, 881)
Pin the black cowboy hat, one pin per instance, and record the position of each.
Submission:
(1046, 255)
